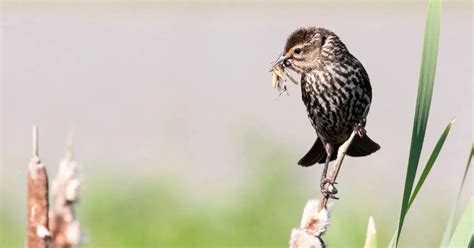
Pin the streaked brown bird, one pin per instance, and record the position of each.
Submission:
(336, 91)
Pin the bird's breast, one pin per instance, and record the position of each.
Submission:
(335, 100)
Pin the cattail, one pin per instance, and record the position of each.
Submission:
(37, 200)
(65, 229)
(314, 224)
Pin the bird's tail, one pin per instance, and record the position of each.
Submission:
(361, 146)
(317, 154)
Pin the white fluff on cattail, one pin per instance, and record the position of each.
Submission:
(313, 225)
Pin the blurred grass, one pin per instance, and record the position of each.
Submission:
(153, 213)
(262, 215)
(463, 235)
(150, 214)
(450, 225)
(11, 231)
(156, 209)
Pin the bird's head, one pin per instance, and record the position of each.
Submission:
(308, 48)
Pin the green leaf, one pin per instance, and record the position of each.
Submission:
(430, 163)
(463, 234)
(450, 224)
(371, 237)
(426, 171)
(423, 102)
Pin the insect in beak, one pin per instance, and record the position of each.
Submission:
(279, 74)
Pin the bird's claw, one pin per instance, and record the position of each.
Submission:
(360, 129)
(328, 189)
(333, 197)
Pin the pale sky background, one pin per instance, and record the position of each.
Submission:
(177, 87)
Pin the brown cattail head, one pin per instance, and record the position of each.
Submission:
(37, 200)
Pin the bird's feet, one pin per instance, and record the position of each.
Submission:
(328, 189)
(360, 129)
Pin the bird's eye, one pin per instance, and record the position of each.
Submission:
(297, 50)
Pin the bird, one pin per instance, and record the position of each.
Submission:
(336, 91)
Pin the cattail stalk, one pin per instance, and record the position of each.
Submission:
(315, 220)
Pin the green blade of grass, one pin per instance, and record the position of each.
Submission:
(450, 224)
(430, 163)
(426, 171)
(423, 102)
(463, 235)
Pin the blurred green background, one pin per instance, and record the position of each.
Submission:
(155, 210)
(183, 143)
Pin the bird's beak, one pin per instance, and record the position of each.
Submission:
(280, 60)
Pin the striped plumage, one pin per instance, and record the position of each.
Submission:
(336, 96)
(335, 89)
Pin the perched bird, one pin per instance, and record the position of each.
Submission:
(336, 91)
